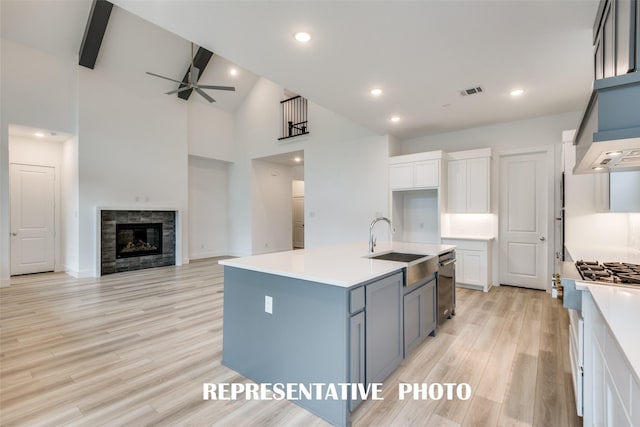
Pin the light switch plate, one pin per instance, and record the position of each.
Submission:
(268, 304)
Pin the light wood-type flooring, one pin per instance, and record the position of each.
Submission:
(135, 348)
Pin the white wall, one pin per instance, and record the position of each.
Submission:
(271, 207)
(132, 154)
(38, 90)
(208, 208)
(210, 132)
(70, 206)
(536, 132)
(345, 171)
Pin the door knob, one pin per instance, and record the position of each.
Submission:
(542, 239)
(14, 234)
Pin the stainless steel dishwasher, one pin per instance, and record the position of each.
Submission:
(446, 286)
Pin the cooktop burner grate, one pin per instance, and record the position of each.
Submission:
(609, 272)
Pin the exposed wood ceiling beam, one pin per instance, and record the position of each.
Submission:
(94, 32)
(200, 61)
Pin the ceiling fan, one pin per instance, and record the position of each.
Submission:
(192, 82)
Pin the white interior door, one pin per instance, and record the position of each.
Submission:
(298, 222)
(523, 220)
(32, 218)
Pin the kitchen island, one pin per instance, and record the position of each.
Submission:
(301, 317)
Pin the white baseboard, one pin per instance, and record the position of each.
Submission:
(202, 255)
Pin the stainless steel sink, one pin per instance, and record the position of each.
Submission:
(418, 267)
(398, 256)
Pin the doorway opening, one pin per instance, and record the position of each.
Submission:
(36, 162)
(278, 202)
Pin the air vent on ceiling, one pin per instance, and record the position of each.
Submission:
(471, 91)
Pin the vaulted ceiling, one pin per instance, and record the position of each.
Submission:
(420, 53)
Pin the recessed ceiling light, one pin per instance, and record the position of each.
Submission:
(395, 119)
(233, 71)
(39, 135)
(614, 153)
(597, 168)
(297, 159)
(516, 92)
(302, 37)
(376, 92)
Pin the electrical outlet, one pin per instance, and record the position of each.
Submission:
(268, 304)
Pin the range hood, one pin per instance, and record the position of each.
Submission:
(608, 138)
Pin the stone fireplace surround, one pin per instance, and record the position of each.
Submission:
(108, 218)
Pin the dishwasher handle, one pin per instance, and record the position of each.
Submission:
(444, 264)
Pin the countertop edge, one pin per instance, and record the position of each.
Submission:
(309, 278)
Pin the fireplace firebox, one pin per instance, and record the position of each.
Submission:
(136, 240)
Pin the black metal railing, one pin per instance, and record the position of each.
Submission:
(294, 117)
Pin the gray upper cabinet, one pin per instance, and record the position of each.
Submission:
(616, 39)
(383, 327)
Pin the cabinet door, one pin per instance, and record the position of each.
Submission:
(419, 316)
(625, 12)
(427, 174)
(412, 335)
(383, 328)
(616, 414)
(474, 267)
(428, 309)
(608, 48)
(457, 186)
(401, 176)
(357, 353)
(598, 61)
(478, 185)
(597, 386)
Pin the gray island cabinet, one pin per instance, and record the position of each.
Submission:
(310, 336)
(289, 318)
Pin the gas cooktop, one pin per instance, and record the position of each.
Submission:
(609, 272)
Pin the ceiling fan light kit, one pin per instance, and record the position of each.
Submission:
(192, 82)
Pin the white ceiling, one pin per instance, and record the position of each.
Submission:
(421, 53)
(131, 46)
(30, 133)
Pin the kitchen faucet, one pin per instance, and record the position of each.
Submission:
(372, 240)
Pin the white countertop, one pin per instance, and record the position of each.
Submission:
(620, 308)
(342, 265)
(481, 238)
(604, 254)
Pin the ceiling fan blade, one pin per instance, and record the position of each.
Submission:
(203, 94)
(163, 77)
(230, 88)
(180, 89)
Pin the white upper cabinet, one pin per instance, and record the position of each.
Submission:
(415, 171)
(469, 181)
